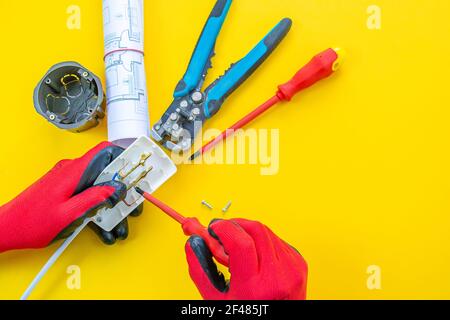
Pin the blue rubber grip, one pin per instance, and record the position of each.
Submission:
(204, 49)
(239, 72)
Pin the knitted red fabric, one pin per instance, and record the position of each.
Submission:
(262, 266)
(36, 217)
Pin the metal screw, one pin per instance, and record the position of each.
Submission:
(197, 97)
(85, 74)
(184, 104)
(227, 207)
(206, 204)
(99, 219)
(52, 117)
(174, 117)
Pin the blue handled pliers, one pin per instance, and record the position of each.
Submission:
(191, 107)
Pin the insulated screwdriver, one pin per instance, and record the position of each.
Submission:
(320, 67)
(191, 227)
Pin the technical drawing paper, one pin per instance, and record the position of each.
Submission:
(126, 91)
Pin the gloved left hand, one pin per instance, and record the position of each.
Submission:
(53, 207)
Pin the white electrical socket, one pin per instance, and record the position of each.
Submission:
(145, 165)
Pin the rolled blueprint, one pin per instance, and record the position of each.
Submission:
(126, 91)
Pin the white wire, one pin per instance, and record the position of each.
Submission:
(53, 259)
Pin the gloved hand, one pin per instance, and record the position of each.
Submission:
(54, 206)
(262, 266)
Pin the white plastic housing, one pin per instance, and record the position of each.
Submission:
(143, 155)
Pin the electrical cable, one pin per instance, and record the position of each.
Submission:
(53, 260)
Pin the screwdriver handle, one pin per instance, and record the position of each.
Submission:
(193, 227)
(320, 67)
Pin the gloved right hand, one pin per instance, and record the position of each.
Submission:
(262, 266)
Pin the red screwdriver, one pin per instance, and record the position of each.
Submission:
(320, 67)
(191, 227)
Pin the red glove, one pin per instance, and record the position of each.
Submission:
(57, 204)
(262, 266)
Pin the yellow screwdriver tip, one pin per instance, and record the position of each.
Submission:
(341, 53)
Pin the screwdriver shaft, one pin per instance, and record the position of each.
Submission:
(238, 125)
(161, 205)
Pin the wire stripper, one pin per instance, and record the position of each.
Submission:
(191, 107)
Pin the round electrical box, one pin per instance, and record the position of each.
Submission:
(70, 97)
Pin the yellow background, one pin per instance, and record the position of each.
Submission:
(365, 167)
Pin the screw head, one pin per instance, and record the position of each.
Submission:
(184, 104)
(52, 117)
(197, 97)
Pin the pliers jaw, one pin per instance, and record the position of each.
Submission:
(191, 107)
(181, 123)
